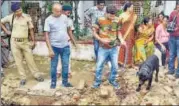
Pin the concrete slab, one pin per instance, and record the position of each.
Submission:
(45, 85)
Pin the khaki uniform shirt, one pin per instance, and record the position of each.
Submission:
(20, 25)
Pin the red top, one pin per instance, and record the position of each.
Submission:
(172, 15)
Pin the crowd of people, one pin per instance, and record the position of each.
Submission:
(112, 35)
(141, 44)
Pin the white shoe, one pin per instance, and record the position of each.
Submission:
(109, 64)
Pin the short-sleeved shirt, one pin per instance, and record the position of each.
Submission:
(95, 13)
(57, 28)
(161, 34)
(20, 25)
(107, 28)
(172, 15)
(70, 21)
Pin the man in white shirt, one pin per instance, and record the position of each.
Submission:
(58, 34)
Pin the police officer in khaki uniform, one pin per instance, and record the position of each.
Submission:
(20, 45)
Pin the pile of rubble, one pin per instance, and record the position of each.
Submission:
(165, 92)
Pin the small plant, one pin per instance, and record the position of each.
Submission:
(119, 12)
(80, 32)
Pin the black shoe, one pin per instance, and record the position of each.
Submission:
(2, 74)
(23, 82)
(176, 75)
(53, 85)
(170, 72)
(67, 84)
(4, 66)
(40, 79)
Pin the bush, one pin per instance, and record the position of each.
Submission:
(80, 32)
(119, 12)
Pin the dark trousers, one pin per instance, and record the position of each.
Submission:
(163, 53)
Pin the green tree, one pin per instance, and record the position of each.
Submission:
(23, 5)
(146, 8)
(146, 11)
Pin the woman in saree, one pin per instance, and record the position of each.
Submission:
(144, 45)
(127, 19)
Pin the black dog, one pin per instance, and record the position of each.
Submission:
(146, 70)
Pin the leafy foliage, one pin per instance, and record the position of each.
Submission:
(146, 8)
(119, 12)
(49, 7)
(24, 6)
(146, 11)
(80, 32)
(139, 20)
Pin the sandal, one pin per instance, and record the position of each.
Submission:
(40, 79)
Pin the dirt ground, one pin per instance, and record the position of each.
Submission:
(165, 92)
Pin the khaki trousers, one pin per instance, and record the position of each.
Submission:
(21, 50)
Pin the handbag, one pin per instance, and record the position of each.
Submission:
(172, 25)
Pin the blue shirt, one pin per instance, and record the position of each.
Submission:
(57, 28)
